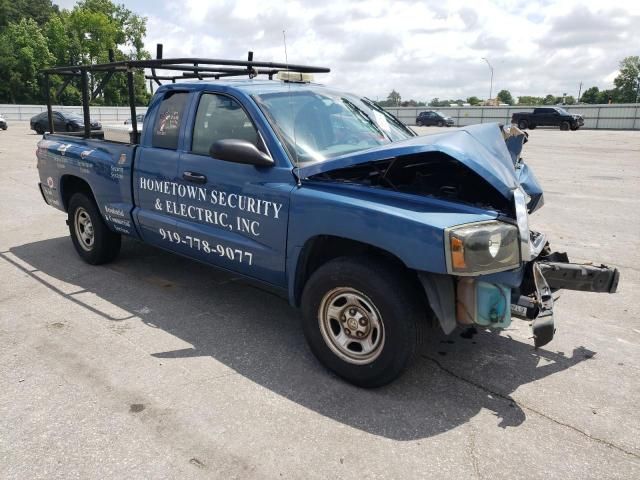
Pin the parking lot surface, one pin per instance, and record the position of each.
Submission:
(155, 366)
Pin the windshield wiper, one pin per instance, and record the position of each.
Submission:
(388, 116)
(357, 110)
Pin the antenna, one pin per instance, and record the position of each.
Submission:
(293, 123)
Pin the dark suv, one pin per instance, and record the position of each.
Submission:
(548, 117)
(428, 118)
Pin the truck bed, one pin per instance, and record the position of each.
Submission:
(106, 168)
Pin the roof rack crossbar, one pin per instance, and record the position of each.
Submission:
(181, 64)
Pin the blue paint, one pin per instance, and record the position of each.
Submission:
(141, 192)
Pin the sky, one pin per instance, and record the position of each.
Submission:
(422, 49)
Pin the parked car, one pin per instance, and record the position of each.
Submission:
(3, 123)
(139, 119)
(375, 233)
(548, 117)
(62, 122)
(429, 118)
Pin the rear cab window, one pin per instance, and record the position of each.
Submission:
(166, 129)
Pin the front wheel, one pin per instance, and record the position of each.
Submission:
(39, 130)
(91, 237)
(441, 124)
(574, 127)
(363, 319)
(523, 124)
(564, 126)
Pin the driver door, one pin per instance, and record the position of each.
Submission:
(232, 215)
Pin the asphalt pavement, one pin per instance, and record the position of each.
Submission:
(155, 366)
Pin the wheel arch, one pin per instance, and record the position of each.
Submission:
(320, 249)
(71, 184)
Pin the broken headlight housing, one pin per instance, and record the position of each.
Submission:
(483, 247)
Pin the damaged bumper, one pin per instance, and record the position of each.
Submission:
(464, 301)
(546, 275)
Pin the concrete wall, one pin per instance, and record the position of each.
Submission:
(618, 117)
(101, 114)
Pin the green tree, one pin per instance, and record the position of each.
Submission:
(12, 11)
(505, 97)
(549, 100)
(570, 100)
(473, 101)
(626, 82)
(590, 95)
(394, 98)
(529, 100)
(83, 35)
(606, 96)
(23, 51)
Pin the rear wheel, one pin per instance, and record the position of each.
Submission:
(91, 237)
(419, 123)
(564, 125)
(523, 124)
(363, 319)
(38, 128)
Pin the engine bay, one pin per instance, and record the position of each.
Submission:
(432, 174)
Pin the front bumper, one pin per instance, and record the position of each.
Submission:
(547, 274)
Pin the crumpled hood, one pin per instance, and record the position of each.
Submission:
(481, 148)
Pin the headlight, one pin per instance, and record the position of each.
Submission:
(483, 247)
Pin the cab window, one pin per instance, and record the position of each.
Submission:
(218, 118)
(167, 125)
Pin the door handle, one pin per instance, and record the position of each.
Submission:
(194, 177)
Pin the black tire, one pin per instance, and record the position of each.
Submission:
(523, 124)
(70, 128)
(574, 127)
(38, 128)
(397, 302)
(419, 123)
(564, 125)
(532, 127)
(441, 123)
(4, 127)
(104, 245)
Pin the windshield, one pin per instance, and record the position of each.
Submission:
(562, 111)
(317, 125)
(73, 116)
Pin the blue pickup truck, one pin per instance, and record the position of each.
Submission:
(375, 233)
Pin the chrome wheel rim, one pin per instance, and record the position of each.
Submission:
(351, 325)
(84, 229)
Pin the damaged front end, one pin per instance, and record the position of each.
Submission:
(494, 269)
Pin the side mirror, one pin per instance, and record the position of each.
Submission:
(239, 151)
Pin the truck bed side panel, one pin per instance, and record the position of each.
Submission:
(106, 167)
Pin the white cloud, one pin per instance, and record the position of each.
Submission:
(423, 49)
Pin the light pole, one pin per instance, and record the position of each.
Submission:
(638, 90)
(491, 86)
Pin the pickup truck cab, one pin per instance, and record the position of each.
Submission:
(373, 232)
(547, 117)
